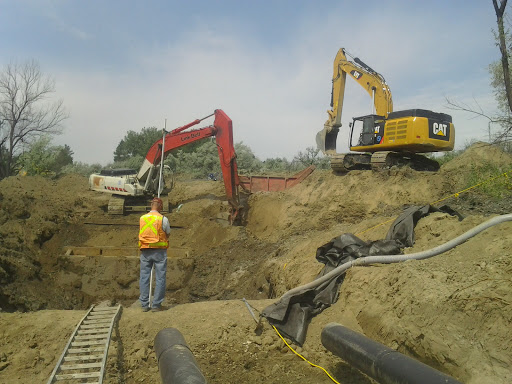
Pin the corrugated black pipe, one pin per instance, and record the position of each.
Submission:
(383, 364)
(176, 362)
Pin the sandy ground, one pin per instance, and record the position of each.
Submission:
(453, 311)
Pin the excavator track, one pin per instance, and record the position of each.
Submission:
(85, 355)
(116, 205)
(119, 205)
(350, 161)
(342, 163)
(382, 160)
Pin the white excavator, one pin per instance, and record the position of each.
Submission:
(132, 190)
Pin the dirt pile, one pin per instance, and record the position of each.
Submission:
(452, 311)
(32, 211)
(478, 155)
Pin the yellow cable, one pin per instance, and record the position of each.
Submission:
(456, 194)
(375, 226)
(474, 186)
(303, 358)
(369, 229)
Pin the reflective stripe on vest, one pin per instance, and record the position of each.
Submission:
(151, 234)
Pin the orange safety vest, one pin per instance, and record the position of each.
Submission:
(151, 234)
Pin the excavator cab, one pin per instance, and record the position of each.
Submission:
(369, 129)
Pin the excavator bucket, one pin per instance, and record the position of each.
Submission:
(320, 140)
(326, 139)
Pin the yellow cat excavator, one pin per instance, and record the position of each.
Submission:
(384, 138)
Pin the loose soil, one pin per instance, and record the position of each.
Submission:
(453, 311)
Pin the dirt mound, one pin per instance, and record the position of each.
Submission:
(479, 155)
(32, 211)
(448, 311)
(32, 343)
(452, 311)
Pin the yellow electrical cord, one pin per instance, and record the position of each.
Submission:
(369, 229)
(375, 226)
(474, 186)
(303, 358)
(456, 194)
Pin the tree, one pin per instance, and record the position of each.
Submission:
(44, 159)
(25, 112)
(311, 157)
(63, 157)
(500, 81)
(276, 164)
(246, 160)
(199, 163)
(81, 168)
(136, 143)
(205, 159)
(500, 11)
(500, 77)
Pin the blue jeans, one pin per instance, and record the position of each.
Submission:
(148, 259)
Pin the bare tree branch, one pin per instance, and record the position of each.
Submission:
(500, 10)
(25, 113)
(503, 121)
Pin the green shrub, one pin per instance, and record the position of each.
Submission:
(43, 159)
(498, 188)
(81, 169)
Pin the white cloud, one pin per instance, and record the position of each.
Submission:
(63, 26)
(276, 96)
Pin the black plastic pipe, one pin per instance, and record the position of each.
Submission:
(381, 363)
(176, 362)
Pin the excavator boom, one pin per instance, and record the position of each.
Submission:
(371, 81)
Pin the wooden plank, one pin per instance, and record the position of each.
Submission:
(84, 343)
(70, 376)
(103, 312)
(109, 310)
(92, 331)
(100, 317)
(94, 326)
(92, 337)
(71, 367)
(89, 322)
(86, 350)
(82, 358)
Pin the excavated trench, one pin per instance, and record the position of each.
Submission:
(62, 250)
(72, 273)
(111, 273)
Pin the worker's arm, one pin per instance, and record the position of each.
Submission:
(166, 226)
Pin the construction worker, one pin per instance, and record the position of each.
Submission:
(153, 244)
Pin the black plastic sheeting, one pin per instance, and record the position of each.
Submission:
(291, 315)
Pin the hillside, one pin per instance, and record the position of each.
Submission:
(453, 311)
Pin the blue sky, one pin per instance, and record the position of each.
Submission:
(124, 65)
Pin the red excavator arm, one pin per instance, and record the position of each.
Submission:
(222, 129)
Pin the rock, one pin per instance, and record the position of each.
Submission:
(267, 340)
(255, 339)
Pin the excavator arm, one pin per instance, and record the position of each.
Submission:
(373, 82)
(222, 130)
